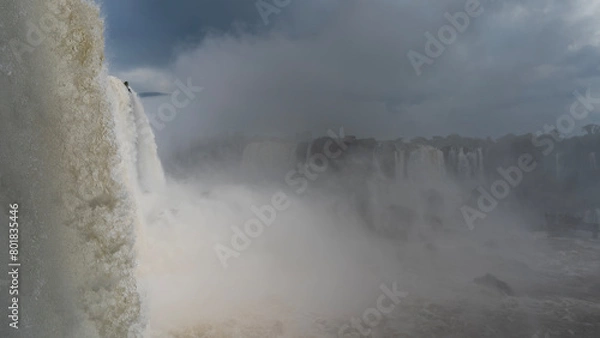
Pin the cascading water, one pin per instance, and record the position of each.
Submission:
(150, 171)
(136, 140)
(452, 164)
(463, 165)
(426, 163)
(81, 152)
(466, 164)
(473, 163)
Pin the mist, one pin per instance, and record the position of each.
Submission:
(222, 259)
(317, 262)
(353, 70)
(385, 168)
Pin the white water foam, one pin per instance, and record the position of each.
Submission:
(65, 159)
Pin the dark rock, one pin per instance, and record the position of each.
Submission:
(492, 282)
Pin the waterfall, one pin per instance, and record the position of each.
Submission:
(463, 165)
(426, 163)
(81, 154)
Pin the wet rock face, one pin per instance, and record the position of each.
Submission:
(490, 281)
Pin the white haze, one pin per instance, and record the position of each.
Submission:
(116, 248)
(317, 263)
(517, 65)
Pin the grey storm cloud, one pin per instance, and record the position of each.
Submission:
(513, 69)
(147, 31)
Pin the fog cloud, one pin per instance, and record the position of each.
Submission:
(513, 69)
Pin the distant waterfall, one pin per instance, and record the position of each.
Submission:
(466, 164)
(425, 163)
(453, 159)
(464, 167)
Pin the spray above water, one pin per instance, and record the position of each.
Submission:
(117, 249)
(136, 139)
(77, 165)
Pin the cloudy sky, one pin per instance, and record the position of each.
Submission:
(320, 64)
